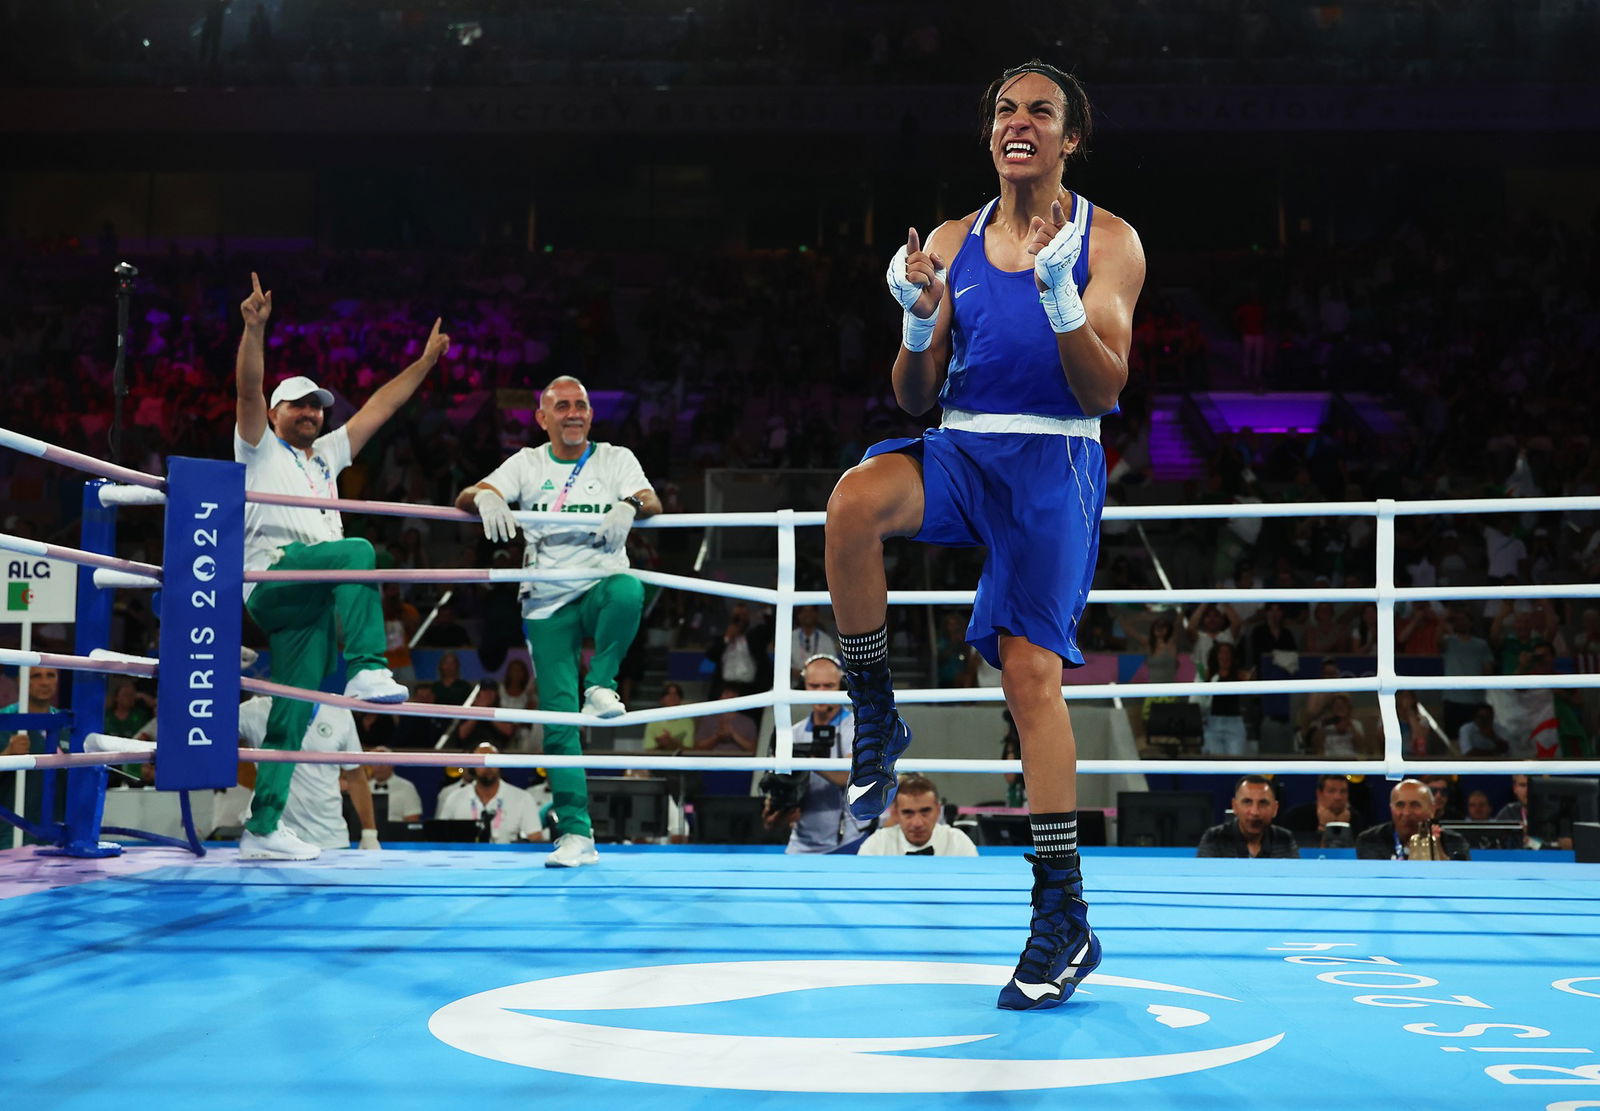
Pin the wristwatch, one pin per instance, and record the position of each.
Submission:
(633, 501)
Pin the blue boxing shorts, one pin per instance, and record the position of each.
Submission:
(1034, 500)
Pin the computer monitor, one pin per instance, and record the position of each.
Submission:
(1555, 803)
(1487, 833)
(727, 820)
(1005, 829)
(1163, 819)
(623, 808)
(1016, 831)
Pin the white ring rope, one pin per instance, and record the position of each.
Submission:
(784, 597)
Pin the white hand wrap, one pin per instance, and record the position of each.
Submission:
(499, 524)
(1053, 267)
(612, 535)
(915, 332)
(369, 839)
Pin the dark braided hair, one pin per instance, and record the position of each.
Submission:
(1077, 118)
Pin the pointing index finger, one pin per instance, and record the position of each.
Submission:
(255, 283)
(913, 243)
(1057, 213)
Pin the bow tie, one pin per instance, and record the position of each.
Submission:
(926, 850)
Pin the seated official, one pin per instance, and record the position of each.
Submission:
(917, 830)
(404, 803)
(1411, 808)
(509, 812)
(1250, 832)
(1332, 805)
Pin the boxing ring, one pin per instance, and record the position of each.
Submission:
(676, 976)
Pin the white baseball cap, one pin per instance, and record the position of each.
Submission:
(293, 389)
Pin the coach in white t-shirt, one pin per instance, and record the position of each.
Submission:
(918, 832)
(315, 810)
(285, 450)
(604, 488)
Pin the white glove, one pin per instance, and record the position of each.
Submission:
(612, 535)
(369, 839)
(499, 524)
(1053, 267)
(915, 332)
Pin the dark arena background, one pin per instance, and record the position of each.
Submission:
(1357, 441)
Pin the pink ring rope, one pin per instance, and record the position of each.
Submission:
(77, 555)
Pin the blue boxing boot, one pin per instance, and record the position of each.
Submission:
(881, 736)
(1062, 949)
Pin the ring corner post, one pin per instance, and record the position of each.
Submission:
(202, 600)
(86, 787)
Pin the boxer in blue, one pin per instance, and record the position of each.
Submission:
(1018, 321)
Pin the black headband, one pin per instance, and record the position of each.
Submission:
(1043, 70)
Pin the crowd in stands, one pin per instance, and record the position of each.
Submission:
(633, 43)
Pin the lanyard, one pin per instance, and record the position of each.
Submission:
(327, 475)
(561, 498)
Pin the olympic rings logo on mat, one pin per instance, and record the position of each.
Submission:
(497, 1024)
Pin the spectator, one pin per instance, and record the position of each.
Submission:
(918, 829)
(957, 662)
(1337, 735)
(400, 621)
(1517, 809)
(1445, 808)
(1411, 811)
(1332, 804)
(1482, 737)
(1479, 809)
(403, 803)
(43, 686)
(1323, 634)
(1464, 654)
(809, 639)
(1270, 637)
(1224, 730)
(472, 732)
(732, 732)
(131, 713)
(507, 812)
(1420, 737)
(1250, 832)
(517, 693)
(821, 822)
(674, 734)
(740, 654)
(1218, 623)
(450, 689)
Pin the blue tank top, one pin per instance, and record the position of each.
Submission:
(1003, 355)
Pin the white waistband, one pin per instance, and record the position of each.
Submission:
(1031, 423)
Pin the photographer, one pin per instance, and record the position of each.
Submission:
(813, 803)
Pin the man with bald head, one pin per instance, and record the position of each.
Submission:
(1411, 809)
(605, 489)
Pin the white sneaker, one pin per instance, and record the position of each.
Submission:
(376, 685)
(603, 702)
(281, 844)
(572, 849)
